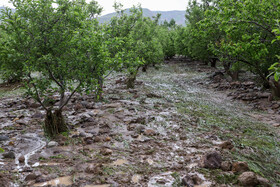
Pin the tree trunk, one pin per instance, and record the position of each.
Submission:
(213, 63)
(275, 87)
(235, 75)
(144, 68)
(131, 81)
(54, 123)
(99, 89)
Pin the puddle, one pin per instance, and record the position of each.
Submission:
(45, 164)
(164, 179)
(58, 181)
(136, 178)
(119, 162)
(28, 146)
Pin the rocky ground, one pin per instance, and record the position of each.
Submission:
(176, 128)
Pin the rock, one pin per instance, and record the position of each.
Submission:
(88, 140)
(106, 152)
(21, 159)
(226, 166)
(82, 134)
(98, 139)
(149, 132)
(226, 145)
(264, 95)
(78, 107)
(263, 182)
(85, 104)
(276, 124)
(240, 167)
(112, 105)
(52, 144)
(108, 139)
(187, 181)
(34, 105)
(38, 115)
(248, 179)
(9, 154)
(211, 160)
(191, 180)
(93, 169)
(31, 177)
(3, 138)
(4, 182)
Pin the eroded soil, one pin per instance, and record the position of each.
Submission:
(153, 135)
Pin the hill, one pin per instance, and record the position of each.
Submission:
(177, 15)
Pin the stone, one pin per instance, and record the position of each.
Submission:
(21, 159)
(34, 105)
(98, 139)
(212, 160)
(4, 181)
(263, 182)
(191, 180)
(38, 115)
(9, 154)
(240, 167)
(4, 138)
(93, 169)
(248, 179)
(149, 132)
(106, 152)
(276, 125)
(226, 166)
(108, 139)
(78, 107)
(88, 140)
(226, 145)
(82, 134)
(31, 177)
(112, 105)
(52, 144)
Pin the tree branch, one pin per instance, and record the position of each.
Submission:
(66, 102)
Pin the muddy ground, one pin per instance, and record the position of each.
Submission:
(176, 128)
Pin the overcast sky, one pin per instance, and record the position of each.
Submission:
(163, 5)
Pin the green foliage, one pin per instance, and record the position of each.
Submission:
(247, 35)
(2, 150)
(240, 34)
(137, 43)
(11, 68)
(60, 43)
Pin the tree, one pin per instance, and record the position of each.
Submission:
(60, 49)
(139, 46)
(11, 68)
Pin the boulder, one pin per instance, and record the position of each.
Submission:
(10, 155)
(240, 167)
(226, 145)
(52, 144)
(212, 160)
(248, 179)
(3, 138)
(226, 166)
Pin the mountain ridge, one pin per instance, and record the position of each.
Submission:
(177, 15)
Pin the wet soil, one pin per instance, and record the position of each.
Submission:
(153, 135)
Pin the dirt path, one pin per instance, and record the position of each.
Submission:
(155, 135)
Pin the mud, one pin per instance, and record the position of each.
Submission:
(153, 135)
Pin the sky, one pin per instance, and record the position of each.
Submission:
(163, 5)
